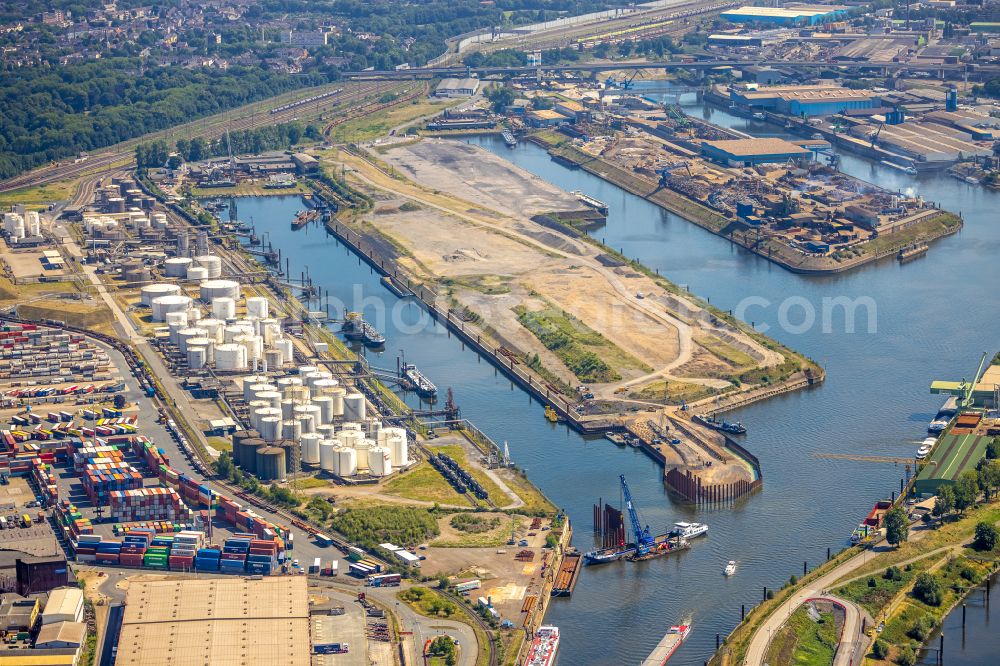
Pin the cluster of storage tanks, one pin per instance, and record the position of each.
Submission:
(219, 339)
(22, 226)
(322, 421)
(110, 224)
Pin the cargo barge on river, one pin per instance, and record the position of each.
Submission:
(665, 649)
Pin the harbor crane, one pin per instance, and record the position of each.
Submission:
(874, 135)
(968, 389)
(643, 539)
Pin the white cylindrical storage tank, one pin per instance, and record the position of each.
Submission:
(327, 430)
(325, 405)
(254, 390)
(338, 393)
(319, 379)
(234, 331)
(291, 430)
(253, 380)
(224, 308)
(174, 331)
(272, 357)
(288, 408)
(194, 315)
(324, 386)
(197, 273)
(214, 327)
(152, 291)
(346, 461)
(176, 318)
(306, 369)
(373, 427)
(273, 398)
(262, 413)
(285, 347)
(399, 451)
(207, 343)
(197, 357)
(362, 447)
(307, 410)
(326, 455)
(351, 426)
(307, 423)
(176, 267)
(186, 334)
(310, 448)
(211, 289)
(230, 357)
(271, 330)
(164, 304)
(300, 394)
(211, 263)
(379, 461)
(257, 307)
(252, 408)
(351, 438)
(254, 345)
(354, 407)
(285, 383)
(269, 428)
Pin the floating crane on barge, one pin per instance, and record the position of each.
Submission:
(644, 547)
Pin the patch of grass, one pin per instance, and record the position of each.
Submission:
(497, 531)
(309, 482)
(803, 641)
(727, 352)
(219, 443)
(588, 355)
(672, 392)
(427, 602)
(92, 315)
(535, 503)
(472, 523)
(873, 598)
(491, 285)
(39, 196)
(373, 125)
(404, 526)
(425, 484)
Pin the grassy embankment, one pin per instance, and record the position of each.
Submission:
(805, 641)
(380, 123)
(586, 353)
(56, 300)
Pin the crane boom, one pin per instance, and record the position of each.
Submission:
(643, 539)
(968, 389)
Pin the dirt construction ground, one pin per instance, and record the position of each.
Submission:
(467, 227)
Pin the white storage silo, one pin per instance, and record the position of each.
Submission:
(194, 315)
(233, 331)
(310, 448)
(307, 423)
(351, 438)
(284, 383)
(324, 385)
(338, 393)
(252, 408)
(273, 398)
(345, 461)
(253, 380)
(186, 334)
(284, 345)
(327, 430)
(197, 357)
(307, 410)
(211, 263)
(326, 454)
(269, 428)
(373, 427)
(272, 358)
(398, 449)
(176, 317)
(174, 331)
(351, 427)
(304, 370)
(354, 407)
(164, 304)
(208, 344)
(262, 413)
(379, 462)
(300, 394)
(224, 308)
(153, 291)
(213, 327)
(197, 273)
(255, 390)
(254, 346)
(257, 307)
(176, 267)
(270, 329)
(291, 430)
(32, 223)
(325, 405)
(288, 408)
(362, 447)
(211, 289)
(230, 356)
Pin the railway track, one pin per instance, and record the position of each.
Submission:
(206, 128)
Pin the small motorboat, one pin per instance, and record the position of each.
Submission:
(730, 568)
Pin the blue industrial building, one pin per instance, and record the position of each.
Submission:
(807, 100)
(788, 15)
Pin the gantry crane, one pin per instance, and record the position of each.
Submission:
(643, 539)
(968, 389)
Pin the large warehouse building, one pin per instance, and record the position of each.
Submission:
(806, 100)
(791, 14)
(223, 622)
(747, 152)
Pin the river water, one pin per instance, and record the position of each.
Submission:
(926, 320)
